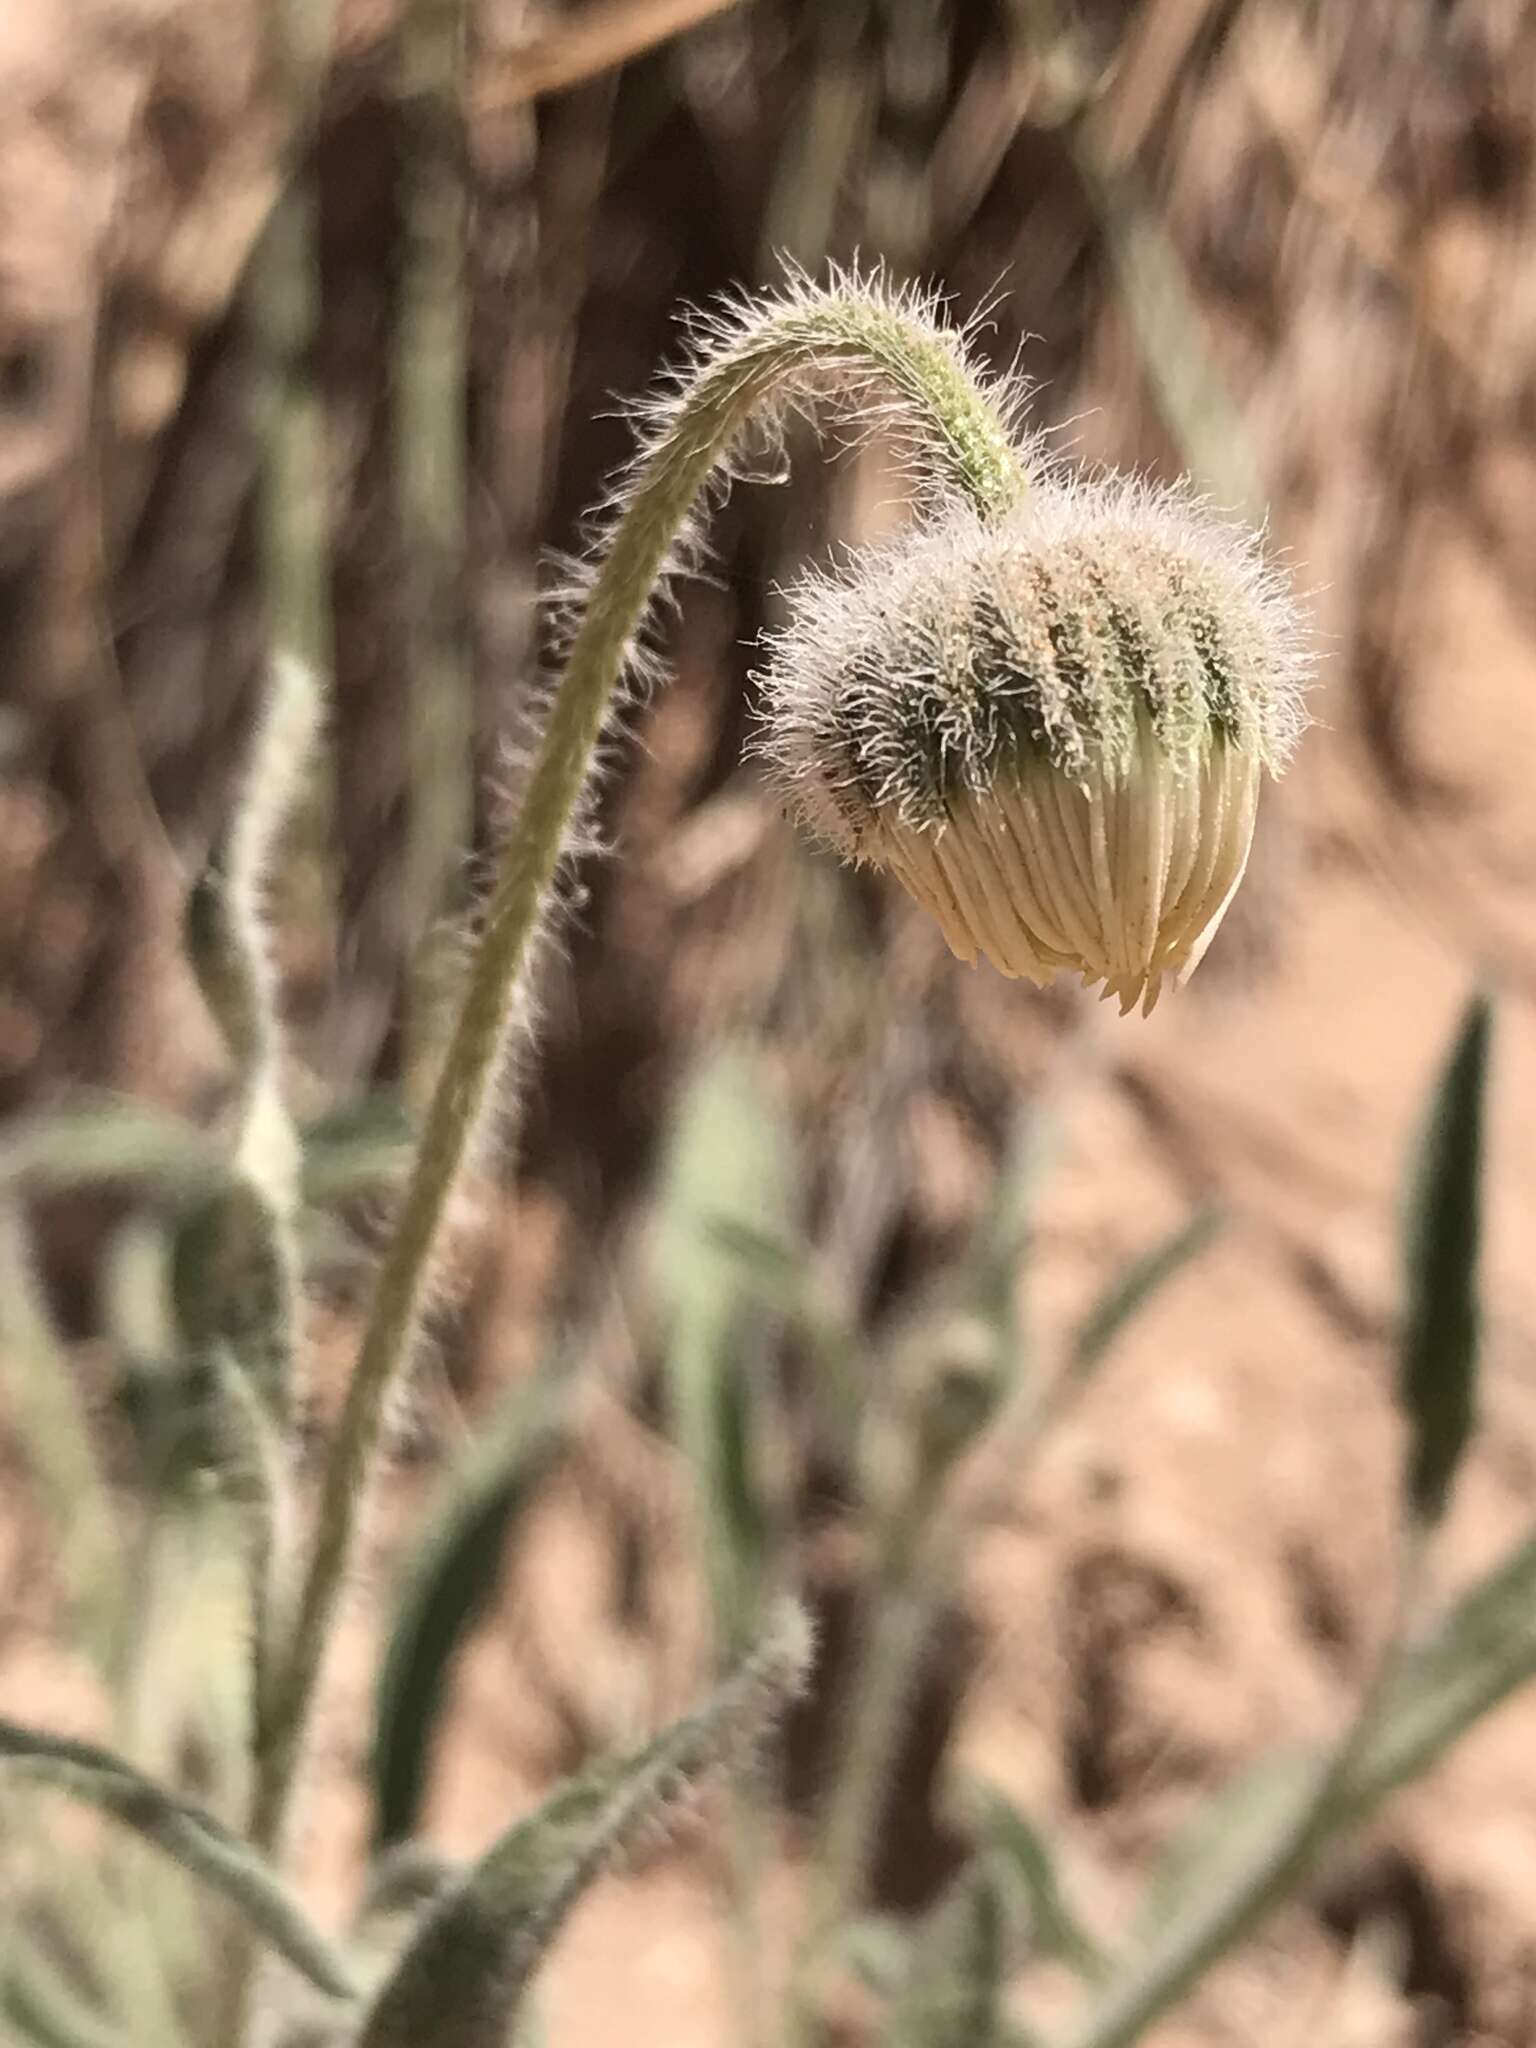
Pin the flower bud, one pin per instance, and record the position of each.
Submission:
(1051, 728)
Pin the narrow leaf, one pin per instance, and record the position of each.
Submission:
(999, 1240)
(448, 1583)
(1438, 1349)
(1129, 1292)
(877, 1947)
(193, 1838)
(1022, 1852)
(1207, 1856)
(1224, 1886)
(102, 1137)
(952, 1997)
(1483, 1650)
(355, 1148)
(727, 1166)
(463, 1981)
(233, 1283)
(777, 1274)
(44, 2007)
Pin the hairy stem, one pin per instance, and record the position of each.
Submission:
(773, 352)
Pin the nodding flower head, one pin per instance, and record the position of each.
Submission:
(1050, 728)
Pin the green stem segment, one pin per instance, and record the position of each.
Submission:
(779, 349)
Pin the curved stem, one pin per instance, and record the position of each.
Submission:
(767, 354)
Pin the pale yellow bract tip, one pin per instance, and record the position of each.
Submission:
(1121, 877)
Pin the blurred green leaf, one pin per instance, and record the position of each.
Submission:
(38, 1999)
(403, 1879)
(463, 1980)
(1438, 1348)
(448, 1583)
(728, 1169)
(194, 1839)
(1172, 328)
(1022, 1853)
(232, 1284)
(1246, 1851)
(779, 1275)
(1261, 1834)
(1219, 1844)
(991, 1266)
(728, 1166)
(1130, 1291)
(1479, 1653)
(952, 1994)
(136, 1293)
(100, 1137)
(355, 1148)
(877, 1947)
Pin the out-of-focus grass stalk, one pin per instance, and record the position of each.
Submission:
(430, 381)
(1160, 302)
(899, 198)
(819, 144)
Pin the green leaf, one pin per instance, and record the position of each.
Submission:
(776, 1273)
(877, 1947)
(727, 1167)
(135, 1292)
(992, 1259)
(355, 1148)
(463, 1981)
(1483, 1650)
(1438, 1348)
(194, 1839)
(46, 2009)
(233, 1282)
(1244, 1854)
(448, 1583)
(1129, 1292)
(1020, 1850)
(1219, 1844)
(952, 1997)
(102, 1137)
(1480, 1653)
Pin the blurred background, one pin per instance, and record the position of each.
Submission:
(283, 328)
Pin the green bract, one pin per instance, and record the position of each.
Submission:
(1050, 727)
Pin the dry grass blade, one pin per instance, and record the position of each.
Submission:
(605, 37)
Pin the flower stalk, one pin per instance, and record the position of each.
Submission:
(846, 338)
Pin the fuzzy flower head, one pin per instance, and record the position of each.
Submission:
(1051, 728)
